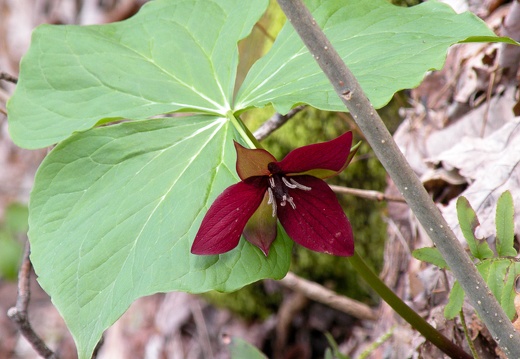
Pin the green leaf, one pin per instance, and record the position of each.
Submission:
(495, 275)
(115, 209)
(455, 302)
(335, 354)
(468, 222)
(174, 55)
(430, 255)
(483, 269)
(493, 38)
(505, 225)
(240, 349)
(387, 47)
(500, 275)
(509, 292)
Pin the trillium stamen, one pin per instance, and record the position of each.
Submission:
(271, 200)
(299, 185)
(288, 199)
(288, 184)
(280, 186)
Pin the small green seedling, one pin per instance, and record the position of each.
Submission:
(499, 269)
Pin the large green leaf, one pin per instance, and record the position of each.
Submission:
(115, 209)
(387, 47)
(173, 55)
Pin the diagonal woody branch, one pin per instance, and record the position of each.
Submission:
(376, 133)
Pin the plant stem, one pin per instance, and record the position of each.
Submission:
(387, 151)
(244, 132)
(383, 338)
(468, 337)
(407, 313)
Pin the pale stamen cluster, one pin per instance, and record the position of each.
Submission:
(282, 192)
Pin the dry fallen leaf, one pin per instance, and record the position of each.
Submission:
(516, 322)
(491, 166)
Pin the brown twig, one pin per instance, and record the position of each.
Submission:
(363, 193)
(6, 77)
(18, 313)
(276, 121)
(328, 297)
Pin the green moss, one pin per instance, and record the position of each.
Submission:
(12, 229)
(250, 302)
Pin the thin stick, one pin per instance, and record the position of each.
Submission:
(275, 122)
(385, 148)
(326, 296)
(19, 314)
(363, 193)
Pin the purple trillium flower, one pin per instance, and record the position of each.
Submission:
(291, 191)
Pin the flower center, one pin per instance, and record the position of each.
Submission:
(279, 191)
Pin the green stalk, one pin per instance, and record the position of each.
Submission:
(383, 338)
(407, 313)
(468, 337)
(244, 132)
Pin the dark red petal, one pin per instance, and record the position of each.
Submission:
(252, 163)
(261, 230)
(331, 155)
(318, 222)
(226, 218)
